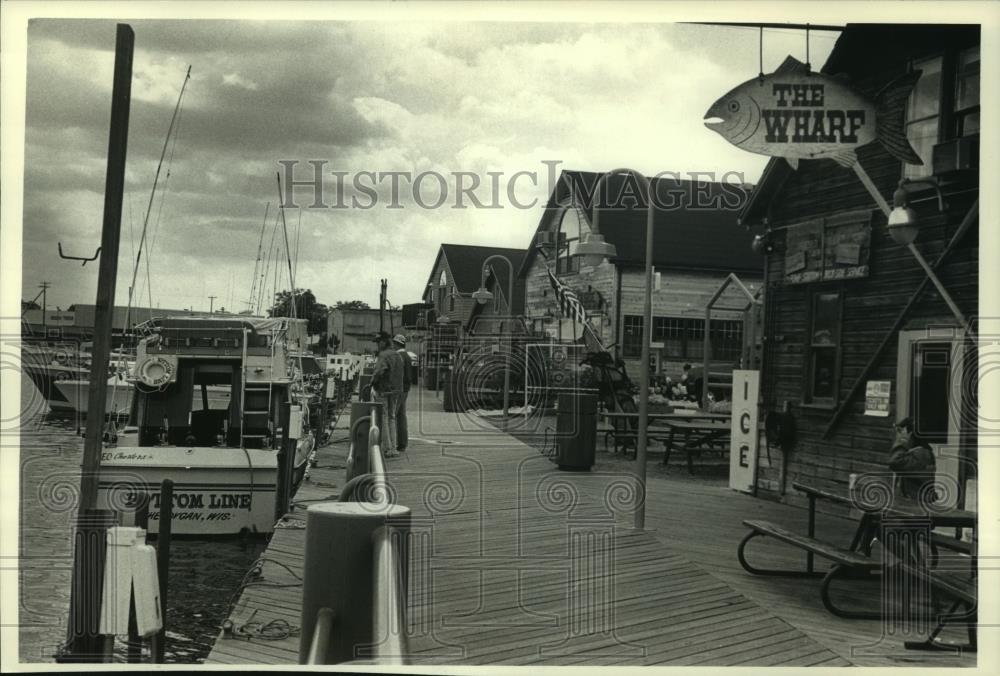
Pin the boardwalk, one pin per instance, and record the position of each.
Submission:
(518, 563)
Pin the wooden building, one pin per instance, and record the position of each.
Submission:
(697, 244)
(355, 329)
(856, 335)
(457, 273)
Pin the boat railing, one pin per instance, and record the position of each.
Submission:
(383, 637)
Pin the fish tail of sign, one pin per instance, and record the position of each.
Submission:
(793, 162)
(890, 104)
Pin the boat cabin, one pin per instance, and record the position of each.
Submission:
(213, 382)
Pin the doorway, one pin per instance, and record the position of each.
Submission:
(929, 377)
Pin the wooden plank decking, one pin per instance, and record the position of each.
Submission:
(515, 562)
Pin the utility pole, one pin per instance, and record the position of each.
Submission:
(381, 306)
(84, 643)
(44, 286)
(211, 303)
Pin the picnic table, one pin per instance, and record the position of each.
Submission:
(876, 522)
(659, 429)
(701, 431)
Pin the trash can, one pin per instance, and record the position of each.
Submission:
(576, 431)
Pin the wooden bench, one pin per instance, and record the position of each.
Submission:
(846, 563)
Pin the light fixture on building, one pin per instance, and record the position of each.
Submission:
(593, 249)
(482, 295)
(762, 244)
(903, 223)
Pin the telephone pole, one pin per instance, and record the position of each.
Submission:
(211, 303)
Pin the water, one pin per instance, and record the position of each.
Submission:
(203, 574)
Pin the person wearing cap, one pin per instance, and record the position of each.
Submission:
(387, 386)
(402, 431)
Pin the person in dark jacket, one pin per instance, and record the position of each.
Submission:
(913, 461)
(402, 431)
(387, 386)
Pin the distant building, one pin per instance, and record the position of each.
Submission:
(697, 243)
(458, 272)
(355, 329)
(77, 321)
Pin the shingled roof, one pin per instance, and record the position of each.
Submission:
(466, 264)
(695, 222)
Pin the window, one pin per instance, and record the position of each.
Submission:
(684, 338)
(823, 372)
(442, 290)
(632, 336)
(967, 92)
(726, 336)
(923, 113)
(451, 300)
(943, 105)
(670, 332)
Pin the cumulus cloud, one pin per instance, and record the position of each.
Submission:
(362, 96)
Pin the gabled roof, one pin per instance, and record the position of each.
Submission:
(695, 222)
(465, 261)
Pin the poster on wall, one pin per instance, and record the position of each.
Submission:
(744, 432)
(827, 249)
(877, 398)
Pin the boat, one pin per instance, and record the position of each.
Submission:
(221, 454)
(61, 374)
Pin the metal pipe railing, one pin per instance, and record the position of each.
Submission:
(320, 643)
(388, 598)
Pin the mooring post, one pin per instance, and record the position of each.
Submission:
(89, 565)
(163, 563)
(339, 573)
(286, 457)
(84, 642)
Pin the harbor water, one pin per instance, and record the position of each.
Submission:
(204, 574)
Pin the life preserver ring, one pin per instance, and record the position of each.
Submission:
(157, 370)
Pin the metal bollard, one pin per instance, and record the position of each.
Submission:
(340, 572)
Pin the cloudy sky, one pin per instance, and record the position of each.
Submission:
(361, 96)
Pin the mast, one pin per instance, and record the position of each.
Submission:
(256, 265)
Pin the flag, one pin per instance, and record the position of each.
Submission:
(571, 308)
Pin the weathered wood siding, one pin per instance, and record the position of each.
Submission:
(682, 294)
(870, 305)
(463, 302)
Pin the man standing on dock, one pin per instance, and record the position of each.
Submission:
(387, 387)
(402, 432)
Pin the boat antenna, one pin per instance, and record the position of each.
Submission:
(266, 268)
(152, 194)
(256, 265)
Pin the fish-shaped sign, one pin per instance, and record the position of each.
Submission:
(800, 115)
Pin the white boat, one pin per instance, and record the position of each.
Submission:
(76, 394)
(221, 453)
